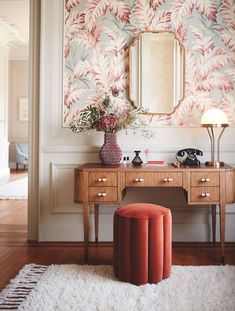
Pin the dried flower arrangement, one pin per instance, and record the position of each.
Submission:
(107, 117)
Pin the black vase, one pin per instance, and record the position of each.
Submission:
(137, 161)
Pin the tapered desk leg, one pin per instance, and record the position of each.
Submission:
(222, 229)
(213, 214)
(86, 215)
(96, 207)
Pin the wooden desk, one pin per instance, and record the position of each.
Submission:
(102, 184)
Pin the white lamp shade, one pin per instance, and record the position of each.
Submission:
(214, 117)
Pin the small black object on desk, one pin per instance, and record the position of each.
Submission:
(137, 161)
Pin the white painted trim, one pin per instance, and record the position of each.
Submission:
(126, 148)
(68, 149)
(55, 208)
(61, 232)
(181, 232)
(34, 85)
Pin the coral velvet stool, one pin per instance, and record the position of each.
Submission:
(142, 243)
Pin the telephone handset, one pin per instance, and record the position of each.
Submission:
(188, 156)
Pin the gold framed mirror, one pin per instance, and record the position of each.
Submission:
(156, 72)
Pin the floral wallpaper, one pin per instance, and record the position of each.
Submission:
(97, 34)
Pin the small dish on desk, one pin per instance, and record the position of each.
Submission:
(156, 163)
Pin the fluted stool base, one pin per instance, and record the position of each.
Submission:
(142, 244)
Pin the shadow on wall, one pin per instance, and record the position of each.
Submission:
(171, 198)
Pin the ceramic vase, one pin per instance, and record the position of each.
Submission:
(110, 152)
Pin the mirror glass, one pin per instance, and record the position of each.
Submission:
(156, 72)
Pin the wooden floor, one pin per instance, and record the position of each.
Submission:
(15, 251)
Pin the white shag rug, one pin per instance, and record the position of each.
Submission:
(88, 288)
(15, 190)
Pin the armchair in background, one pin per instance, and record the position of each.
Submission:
(21, 154)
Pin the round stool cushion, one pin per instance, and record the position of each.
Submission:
(142, 243)
(142, 210)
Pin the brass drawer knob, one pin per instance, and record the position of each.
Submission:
(102, 194)
(167, 179)
(205, 194)
(102, 179)
(205, 179)
(139, 179)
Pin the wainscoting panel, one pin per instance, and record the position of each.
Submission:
(62, 189)
(59, 217)
(62, 220)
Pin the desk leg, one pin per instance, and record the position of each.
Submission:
(222, 229)
(213, 220)
(96, 207)
(86, 215)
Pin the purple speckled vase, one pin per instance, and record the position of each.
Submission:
(110, 152)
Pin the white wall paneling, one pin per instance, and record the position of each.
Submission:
(62, 219)
(62, 189)
(61, 150)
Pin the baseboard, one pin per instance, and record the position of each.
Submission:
(194, 229)
(110, 244)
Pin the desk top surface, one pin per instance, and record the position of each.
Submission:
(150, 167)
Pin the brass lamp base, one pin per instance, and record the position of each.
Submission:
(214, 163)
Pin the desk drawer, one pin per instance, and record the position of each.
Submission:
(102, 178)
(103, 194)
(205, 194)
(138, 179)
(205, 179)
(169, 179)
(163, 179)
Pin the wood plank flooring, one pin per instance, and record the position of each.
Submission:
(15, 251)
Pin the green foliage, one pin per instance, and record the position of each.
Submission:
(107, 117)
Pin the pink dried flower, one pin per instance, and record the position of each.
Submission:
(106, 117)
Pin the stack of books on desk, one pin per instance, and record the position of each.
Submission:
(156, 163)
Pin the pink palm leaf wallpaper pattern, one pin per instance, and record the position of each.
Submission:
(97, 34)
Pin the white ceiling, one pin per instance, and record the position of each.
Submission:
(14, 23)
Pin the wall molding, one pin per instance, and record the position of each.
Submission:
(75, 208)
(69, 149)
(126, 148)
(54, 186)
(34, 116)
(65, 232)
(182, 232)
(191, 223)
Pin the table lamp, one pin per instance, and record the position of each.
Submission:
(211, 119)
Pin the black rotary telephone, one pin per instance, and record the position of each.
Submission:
(188, 156)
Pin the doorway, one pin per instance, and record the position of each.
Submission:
(14, 84)
(33, 12)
